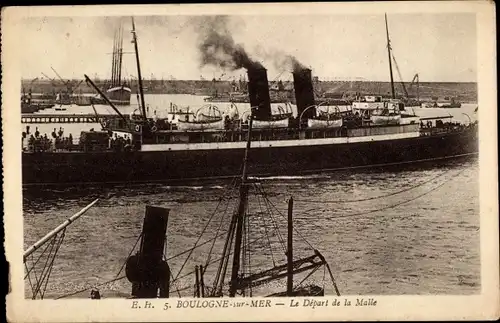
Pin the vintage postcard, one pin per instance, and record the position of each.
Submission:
(257, 162)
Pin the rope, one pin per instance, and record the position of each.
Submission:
(249, 251)
(39, 281)
(375, 197)
(199, 238)
(274, 222)
(233, 184)
(295, 229)
(52, 262)
(29, 278)
(47, 268)
(267, 235)
(36, 262)
(125, 262)
(216, 260)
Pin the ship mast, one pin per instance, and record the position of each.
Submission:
(113, 62)
(389, 55)
(243, 199)
(141, 92)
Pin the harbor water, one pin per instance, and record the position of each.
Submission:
(412, 230)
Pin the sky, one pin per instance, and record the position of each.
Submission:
(439, 47)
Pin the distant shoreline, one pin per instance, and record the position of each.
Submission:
(463, 91)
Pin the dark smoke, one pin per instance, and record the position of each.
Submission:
(217, 46)
(281, 60)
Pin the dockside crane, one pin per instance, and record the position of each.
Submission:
(417, 81)
(69, 86)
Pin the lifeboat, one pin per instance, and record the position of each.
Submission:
(201, 125)
(386, 119)
(206, 117)
(324, 123)
(263, 124)
(409, 119)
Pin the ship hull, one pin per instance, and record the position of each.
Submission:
(119, 95)
(163, 166)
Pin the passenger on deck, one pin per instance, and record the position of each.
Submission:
(54, 133)
(31, 143)
(61, 131)
(37, 133)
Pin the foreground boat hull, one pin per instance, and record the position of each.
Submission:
(164, 166)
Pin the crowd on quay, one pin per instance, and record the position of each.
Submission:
(36, 142)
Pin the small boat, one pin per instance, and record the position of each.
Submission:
(201, 125)
(324, 123)
(206, 117)
(262, 124)
(409, 119)
(386, 119)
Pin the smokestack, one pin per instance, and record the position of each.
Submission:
(258, 91)
(304, 93)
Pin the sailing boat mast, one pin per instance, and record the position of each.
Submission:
(113, 62)
(240, 215)
(141, 92)
(389, 55)
(289, 253)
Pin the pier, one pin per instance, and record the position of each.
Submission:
(64, 118)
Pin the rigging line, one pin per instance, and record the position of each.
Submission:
(132, 250)
(216, 234)
(199, 238)
(400, 203)
(399, 72)
(47, 267)
(378, 196)
(39, 281)
(249, 250)
(324, 275)
(268, 206)
(88, 288)
(222, 268)
(267, 235)
(276, 228)
(29, 278)
(307, 276)
(176, 287)
(36, 262)
(216, 260)
(332, 278)
(190, 251)
(295, 229)
(205, 242)
(63, 234)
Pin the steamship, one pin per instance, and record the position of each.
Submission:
(370, 134)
